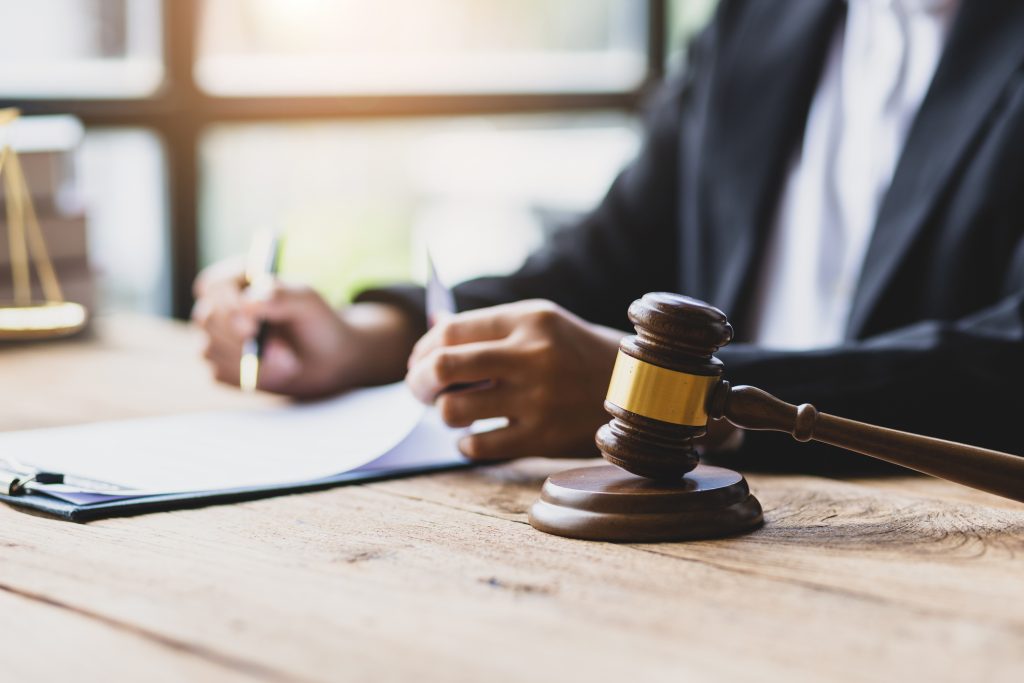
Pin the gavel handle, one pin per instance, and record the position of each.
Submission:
(992, 471)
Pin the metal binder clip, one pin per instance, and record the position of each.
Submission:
(14, 477)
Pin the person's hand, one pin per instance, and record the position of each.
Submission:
(543, 368)
(311, 350)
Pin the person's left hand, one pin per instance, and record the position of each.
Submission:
(540, 366)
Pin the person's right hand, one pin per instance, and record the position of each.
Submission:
(311, 350)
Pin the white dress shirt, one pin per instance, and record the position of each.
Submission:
(877, 72)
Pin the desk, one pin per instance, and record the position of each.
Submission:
(440, 577)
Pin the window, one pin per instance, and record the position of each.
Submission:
(121, 175)
(80, 48)
(289, 47)
(364, 128)
(360, 200)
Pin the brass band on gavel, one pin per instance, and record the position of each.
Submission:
(659, 393)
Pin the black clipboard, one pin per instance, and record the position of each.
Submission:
(17, 495)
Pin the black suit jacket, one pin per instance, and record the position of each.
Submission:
(936, 334)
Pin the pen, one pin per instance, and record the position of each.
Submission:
(261, 266)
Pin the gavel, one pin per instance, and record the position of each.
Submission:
(665, 387)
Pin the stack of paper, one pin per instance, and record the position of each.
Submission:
(371, 431)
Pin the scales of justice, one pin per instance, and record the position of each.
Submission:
(25, 316)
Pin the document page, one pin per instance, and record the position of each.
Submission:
(230, 450)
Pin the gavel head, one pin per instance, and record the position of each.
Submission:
(659, 389)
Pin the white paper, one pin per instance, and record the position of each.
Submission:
(230, 450)
(440, 299)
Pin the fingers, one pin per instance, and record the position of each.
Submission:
(463, 408)
(229, 273)
(220, 316)
(280, 302)
(224, 362)
(541, 362)
(467, 363)
(278, 364)
(485, 324)
(500, 444)
(228, 316)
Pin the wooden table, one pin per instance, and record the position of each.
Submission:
(440, 577)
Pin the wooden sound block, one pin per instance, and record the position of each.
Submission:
(606, 503)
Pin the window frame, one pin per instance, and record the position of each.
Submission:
(180, 111)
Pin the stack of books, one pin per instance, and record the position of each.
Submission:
(46, 147)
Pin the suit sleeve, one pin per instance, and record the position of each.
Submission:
(625, 247)
(955, 380)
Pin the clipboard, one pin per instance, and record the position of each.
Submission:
(415, 442)
(15, 490)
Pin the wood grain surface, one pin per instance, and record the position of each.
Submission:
(440, 577)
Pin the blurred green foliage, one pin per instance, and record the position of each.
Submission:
(370, 247)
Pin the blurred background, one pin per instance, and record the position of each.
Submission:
(365, 129)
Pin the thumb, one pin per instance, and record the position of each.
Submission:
(278, 366)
